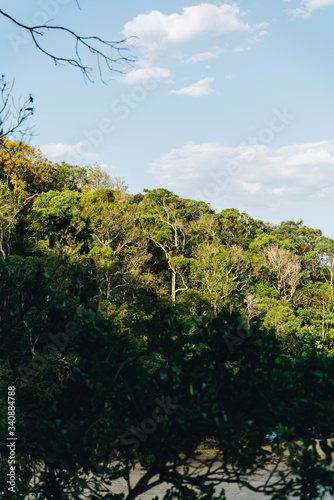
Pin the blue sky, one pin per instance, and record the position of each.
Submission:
(228, 102)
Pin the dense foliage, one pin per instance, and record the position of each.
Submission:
(137, 328)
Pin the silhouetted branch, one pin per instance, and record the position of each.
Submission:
(14, 115)
(110, 53)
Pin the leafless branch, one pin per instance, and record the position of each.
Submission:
(110, 53)
(14, 116)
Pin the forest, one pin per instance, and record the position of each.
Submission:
(141, 329)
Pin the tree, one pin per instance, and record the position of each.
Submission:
(238, 228)
(57, 224)
(119, 248)
(295, 236)
(26, 171)
(165, 220)
(204, 229)
(324, 248)
(286, 269)
(250, 310)
(214, 380)
(111, 375)
(97, 178)
(220, 271)
(320, 300)
(10, 207)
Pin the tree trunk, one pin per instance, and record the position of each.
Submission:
(173, 286)
(1, 244)
(108, 284)
(324, 333)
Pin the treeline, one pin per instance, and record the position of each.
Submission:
(135, 328)
(168, 247)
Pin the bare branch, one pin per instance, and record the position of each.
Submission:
(14, 116)
(110, 53)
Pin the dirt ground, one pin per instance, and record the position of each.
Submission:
(232, 491)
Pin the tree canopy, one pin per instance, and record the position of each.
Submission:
(141, 330)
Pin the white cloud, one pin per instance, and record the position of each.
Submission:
(242, 48)
(310, 155)
(198, 89)
(71, 153)
(164, 40)
(308, 7)
(228, 76)
(202, 56)
(159, 33)
(250, 176)
(147, 74)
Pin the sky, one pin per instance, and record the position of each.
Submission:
(226, 102)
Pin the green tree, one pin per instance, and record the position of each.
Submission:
(165, 220)
(324, 248)
(215, 380)
(119, 248)
(295, 236)
(26, 171)
(238, 228)
(320, 302)
(10, 207)
(110, 375)
(221, 272)
(97, 178)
